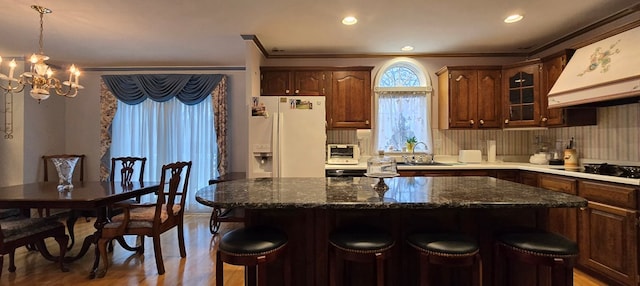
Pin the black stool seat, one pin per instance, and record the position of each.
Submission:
(540, 242)
(253, 247)
(359, 244)
(252, 240)
(449, 249)
(535, 247)
(361, 240)
(446, 243)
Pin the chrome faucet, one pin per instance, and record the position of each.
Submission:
(420, 160)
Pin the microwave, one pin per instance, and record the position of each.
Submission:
(343, 154)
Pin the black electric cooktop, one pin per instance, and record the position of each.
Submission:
(613, 170)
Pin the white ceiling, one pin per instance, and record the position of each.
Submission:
(207, 33)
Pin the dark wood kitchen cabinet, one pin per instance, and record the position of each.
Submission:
(469, 97)
(552, 67)
(608, 233)
(528, 178)
(521, 94)
(349, 102)
(279, 81)
(563, 221)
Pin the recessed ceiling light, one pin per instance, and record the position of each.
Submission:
(349, 20)
(407, 48)
(513, 18)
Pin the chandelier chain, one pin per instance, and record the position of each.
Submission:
(41, 42)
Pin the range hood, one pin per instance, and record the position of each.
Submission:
(603, 73)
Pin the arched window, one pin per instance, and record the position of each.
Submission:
(403, 100)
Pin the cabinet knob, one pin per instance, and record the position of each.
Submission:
(471, 122)
(506, 121)
(583, 208)
(297, 91)
(366, 122)
(481, 122)
(287, 91)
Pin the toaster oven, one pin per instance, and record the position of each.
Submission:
(343, 154)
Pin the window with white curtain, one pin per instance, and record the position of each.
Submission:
(167, 132)
(403, 104)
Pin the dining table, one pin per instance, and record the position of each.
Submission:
(87, 195)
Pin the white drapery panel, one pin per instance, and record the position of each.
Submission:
(402, 115)
(166, 132)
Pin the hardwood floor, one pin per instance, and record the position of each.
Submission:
(127, 268)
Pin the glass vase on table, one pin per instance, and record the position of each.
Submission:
(65, 167)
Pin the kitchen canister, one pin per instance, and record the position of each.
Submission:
(570, 158)
(491, 151)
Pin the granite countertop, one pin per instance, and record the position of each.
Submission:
(549, 169)
(403, 192)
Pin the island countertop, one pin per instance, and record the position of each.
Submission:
(403, 193)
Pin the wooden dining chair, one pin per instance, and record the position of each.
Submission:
(153, 219)
(21, 231)
(126, 167)
(47, 160)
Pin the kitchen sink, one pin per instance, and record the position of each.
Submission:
(423, 164)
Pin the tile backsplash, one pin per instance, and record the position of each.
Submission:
(615, 138)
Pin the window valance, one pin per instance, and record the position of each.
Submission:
(188, 88)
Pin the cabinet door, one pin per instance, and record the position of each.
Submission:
(559, 117)
(551, 70)
(507, 175)
(488, 100)
(528, 178)
(463, 95)
(309, 83)
(521, 96)
(609, 242)
(350, 100)
(275, 83)
(562, 221)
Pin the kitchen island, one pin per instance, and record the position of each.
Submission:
(308, 209)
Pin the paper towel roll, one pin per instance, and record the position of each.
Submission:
(491, 150)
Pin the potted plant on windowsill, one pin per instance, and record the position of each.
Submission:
(411, 142)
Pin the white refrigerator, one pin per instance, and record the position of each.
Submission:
(287, 136)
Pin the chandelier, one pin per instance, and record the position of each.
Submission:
(40, 75)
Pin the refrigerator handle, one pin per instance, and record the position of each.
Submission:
(280, 138)
(274, 146)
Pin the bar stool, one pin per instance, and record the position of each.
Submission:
(253, 247)
(536, 247)
(449, 249)
(358, 244)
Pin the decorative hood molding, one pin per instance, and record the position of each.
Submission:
(605, 71)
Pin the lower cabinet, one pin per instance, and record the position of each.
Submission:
(606, 230)
(528, 178)
(608, 237)
(563, 221)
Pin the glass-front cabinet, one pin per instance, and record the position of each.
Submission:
(521, 101)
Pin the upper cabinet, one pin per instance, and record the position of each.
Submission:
(349, 102)
(552, 66)
(284, 81)
(469, 97)
(521, 94)
(347, 91)
(525, 99)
